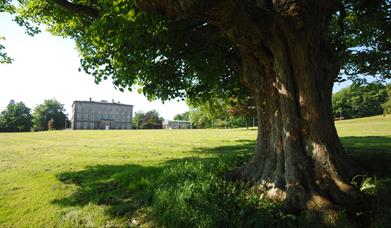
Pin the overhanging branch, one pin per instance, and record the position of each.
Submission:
(78, 9)
(172, 7)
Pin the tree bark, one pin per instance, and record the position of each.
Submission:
(299, 158)
(289, 65)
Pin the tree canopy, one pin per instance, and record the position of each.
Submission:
(148, 120)
(387, 104)
(117, 40)
(182, 116)
(48, 110)
(16, 117)
(360, 100)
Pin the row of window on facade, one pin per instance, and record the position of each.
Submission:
(93, 125)
(99, 116)
(87, 106)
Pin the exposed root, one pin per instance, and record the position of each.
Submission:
(326, 197)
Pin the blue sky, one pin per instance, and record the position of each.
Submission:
(46, 66)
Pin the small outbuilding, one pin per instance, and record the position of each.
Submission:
(176, 124)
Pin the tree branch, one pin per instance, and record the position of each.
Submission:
(341, 19)
(172, 7)
(78, 9)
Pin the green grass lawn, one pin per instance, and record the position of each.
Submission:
(147, 178)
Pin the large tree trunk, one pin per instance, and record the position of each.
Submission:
(298, 158)
(289, 65)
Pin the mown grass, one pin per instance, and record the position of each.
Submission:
(161, 178)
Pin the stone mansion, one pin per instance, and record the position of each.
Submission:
(101, 115)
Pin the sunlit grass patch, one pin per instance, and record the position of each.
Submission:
(162, 178)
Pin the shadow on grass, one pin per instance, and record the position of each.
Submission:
(367, 143)
(181, 193)
(373, 153)
(124, 188)
(190, 192)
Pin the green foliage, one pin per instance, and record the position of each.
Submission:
(152, 120)
(239, 121)
(4, 58)
(387, 105)
(49, 109)
(210, 113)
(214, 108)
(191, 193)
(198, 119)
(367, 38)
(366, 185)
(243, 106)
(360, 100)
(15, 118)
(183, 116)
(222, 113)
(163, 55)
(137, 120)
(182, 193)
(148, 120)
(171, 57)
(376, 184)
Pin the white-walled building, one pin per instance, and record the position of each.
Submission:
(176, 124)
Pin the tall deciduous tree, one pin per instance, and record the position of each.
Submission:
(148, 120)
(387, 104)
(243, 107)
(138, 119)
(152, 120)
(287, 52)
(16, 118)
(199, 119)
(215, 109)
(182, 116)
(49, 110)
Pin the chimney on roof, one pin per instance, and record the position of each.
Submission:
(90, 99)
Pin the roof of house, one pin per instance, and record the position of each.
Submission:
(100, 102)
(177, 121)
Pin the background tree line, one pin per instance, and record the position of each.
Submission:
(361, 99)
(220, 112)
(17, 117)
(147, 120)
(357, 100)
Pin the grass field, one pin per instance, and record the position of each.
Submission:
(148, 178)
